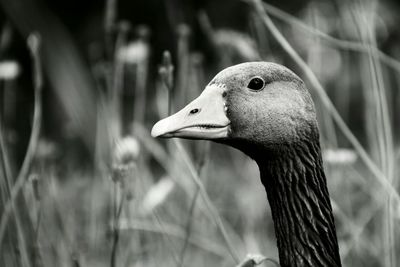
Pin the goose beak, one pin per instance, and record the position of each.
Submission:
(203, 118)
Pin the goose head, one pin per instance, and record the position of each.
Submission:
(248, 106)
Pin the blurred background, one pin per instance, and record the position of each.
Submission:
(82, 183)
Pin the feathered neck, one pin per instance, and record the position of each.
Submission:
(297, 192)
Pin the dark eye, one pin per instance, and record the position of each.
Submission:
(256, 84)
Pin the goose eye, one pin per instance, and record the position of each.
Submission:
(256, 84)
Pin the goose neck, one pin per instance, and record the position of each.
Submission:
(301, 210)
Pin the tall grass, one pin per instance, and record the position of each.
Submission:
(148, 202)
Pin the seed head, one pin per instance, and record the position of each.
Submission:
(126, 150)
(126, 153)
(134, 52)
(9, 70)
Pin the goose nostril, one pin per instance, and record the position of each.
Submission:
(194, 111)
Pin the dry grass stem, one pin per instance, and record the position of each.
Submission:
(34, 46)
(211, 208)
(343, 44)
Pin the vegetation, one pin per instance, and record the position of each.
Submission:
(82, 183)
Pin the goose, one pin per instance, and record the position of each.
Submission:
(265, 110)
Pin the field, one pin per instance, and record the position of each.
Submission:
(82, 182)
